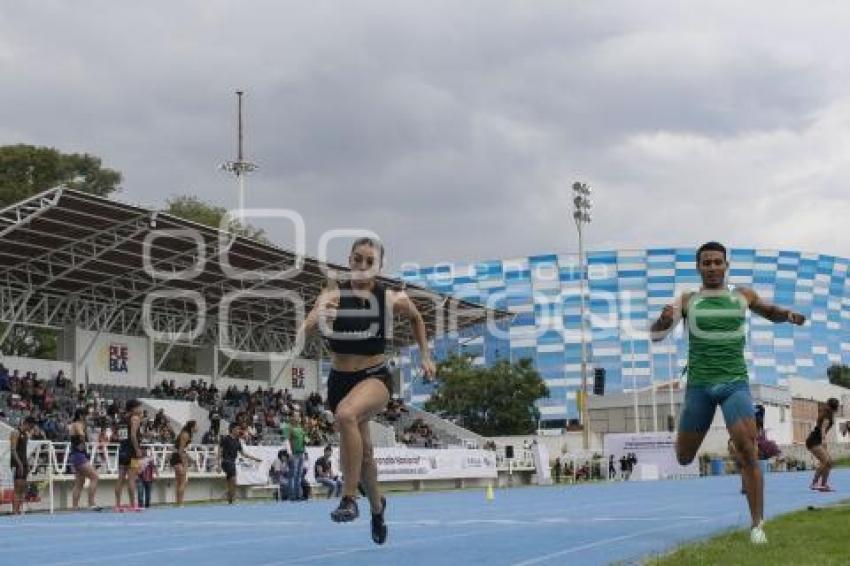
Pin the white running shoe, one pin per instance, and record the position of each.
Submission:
(757, 535)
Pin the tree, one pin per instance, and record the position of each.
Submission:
(26, 170)
(194, 209)
(30, 342)
(839, 375)
(492, 401)
(180, 358)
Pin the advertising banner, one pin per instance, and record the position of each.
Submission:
(394, 464)
(651, 449)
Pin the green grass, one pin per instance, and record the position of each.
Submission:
(842, 462)
(818, 537)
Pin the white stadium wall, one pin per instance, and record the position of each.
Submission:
(46, 369)
(114, 359)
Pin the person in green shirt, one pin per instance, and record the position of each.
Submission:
(297, 444)
(285, 429)
(715, 317)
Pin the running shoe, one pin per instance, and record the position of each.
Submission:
(346, 512)
(757, 535)
(379, 527)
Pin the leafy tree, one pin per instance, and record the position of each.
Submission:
(26, 170)
(496, 400)
(196, 210)
(30, 342)
(180, 358)
(839, 375)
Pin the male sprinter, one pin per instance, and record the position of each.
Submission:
(717, 373)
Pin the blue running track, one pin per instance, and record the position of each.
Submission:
(585, 524)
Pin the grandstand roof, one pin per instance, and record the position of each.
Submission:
(68, 257)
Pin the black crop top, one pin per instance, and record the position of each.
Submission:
(360, 325)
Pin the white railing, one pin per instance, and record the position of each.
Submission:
(523, 460)
(52, 458)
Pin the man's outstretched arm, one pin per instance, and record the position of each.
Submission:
(771, 312)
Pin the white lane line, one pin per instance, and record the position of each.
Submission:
(125, 555)
(375, 548)
(605, 541)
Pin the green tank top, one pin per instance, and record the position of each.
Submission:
(716, 337)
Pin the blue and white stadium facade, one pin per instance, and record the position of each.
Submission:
(627, 288)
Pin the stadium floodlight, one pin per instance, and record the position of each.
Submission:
(239, 168)
(581, 214)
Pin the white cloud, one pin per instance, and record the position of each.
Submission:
(454, 129)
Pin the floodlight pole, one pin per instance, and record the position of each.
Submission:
(581, 215)
(240, 167)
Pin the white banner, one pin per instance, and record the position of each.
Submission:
(842, 431)
(249, 472)
(541, 463)
(651, 448)
(401, 463)
(394, 464)
(7, 480)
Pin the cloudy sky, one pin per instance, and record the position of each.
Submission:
(455, 128)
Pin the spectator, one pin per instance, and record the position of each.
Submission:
(305, 485)
(160, 419)
(249, 432)
(279, 473)
(313, 406)
(258, 423)
(556, 470)
(166, 434)
(144, 483)
(297, 448)
(323, 471)
(103, 439)
(215, 421)
(210, 437)
(4, 378)
(61, 380)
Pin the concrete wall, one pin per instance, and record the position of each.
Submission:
(199, 489)
(116, 359)
(46, 369)
(301, 377)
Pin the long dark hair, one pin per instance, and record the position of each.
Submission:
(80, 415)
(189, 428)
